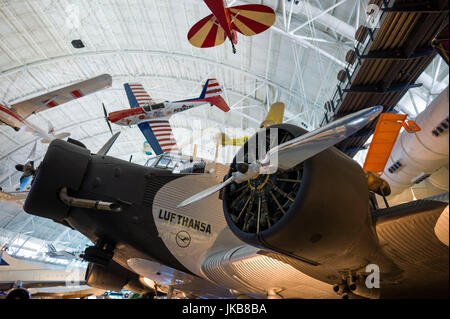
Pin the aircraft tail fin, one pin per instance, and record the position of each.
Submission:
(210, 89)
(219, 102)
(51, 248)
(51, 128)
(212, 94)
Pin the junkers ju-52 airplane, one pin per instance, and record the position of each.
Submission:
(306, 228)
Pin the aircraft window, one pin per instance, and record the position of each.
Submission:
(171, 164)
(151, 161)
(158, 106)
(163, 162)
(147, 108)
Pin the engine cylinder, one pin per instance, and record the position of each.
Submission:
(317, 212)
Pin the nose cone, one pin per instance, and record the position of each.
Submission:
(129, 114)
(117, 116)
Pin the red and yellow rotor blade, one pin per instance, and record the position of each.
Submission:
(251, 19)
(206, 33)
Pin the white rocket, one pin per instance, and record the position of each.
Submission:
(415, 156)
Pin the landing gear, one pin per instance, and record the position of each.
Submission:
(99, 254)
(353, 286)
(232, 45)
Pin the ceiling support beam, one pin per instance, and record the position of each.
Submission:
(151, 53)
(309, 45)
(321, 14)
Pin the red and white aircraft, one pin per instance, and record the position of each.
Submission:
(152, 118)
(212, 30)
(16, 115)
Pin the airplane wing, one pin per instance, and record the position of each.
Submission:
(159, 135)
(158, 132)
(251, 19)
(16, 198)
(83, 292)
(137, 95)
(13, 196)
(6, 285)
(407, 234)
(61, 96)
(206, 33)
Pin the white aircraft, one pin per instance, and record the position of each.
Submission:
(61, 254)
(15, 116)
(21, 279)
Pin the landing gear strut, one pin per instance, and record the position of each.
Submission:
(232, 45)
(99, 254)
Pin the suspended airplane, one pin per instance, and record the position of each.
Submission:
(213, 30)
(22, 279)
(61, 254)
(152, 118)
(15, 116)
(304, 229)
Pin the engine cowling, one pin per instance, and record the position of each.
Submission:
(17, 294)
(317, 212)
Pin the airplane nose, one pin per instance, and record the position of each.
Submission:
(115, 116)
(119, 117)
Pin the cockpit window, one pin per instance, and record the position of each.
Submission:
(147, 107)
(163, 163)
(177, 165)
(157, 106)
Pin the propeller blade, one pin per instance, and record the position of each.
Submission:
(205, 193)
(105, 148)
(32, 153)
(109, 125)
(131, 157)
(106, 118)
(104, 110)
(297, 150)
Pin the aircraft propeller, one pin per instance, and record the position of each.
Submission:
(295, 151)
(106, 118)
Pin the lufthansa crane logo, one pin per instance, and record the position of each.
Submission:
(183, 239)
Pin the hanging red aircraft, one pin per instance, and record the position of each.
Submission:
(249, 19)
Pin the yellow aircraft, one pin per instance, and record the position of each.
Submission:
(275, 116)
